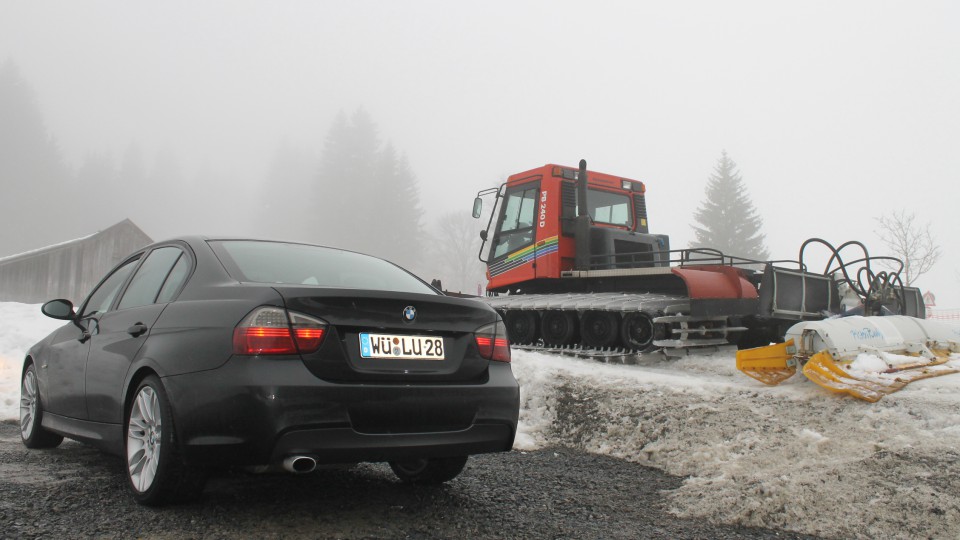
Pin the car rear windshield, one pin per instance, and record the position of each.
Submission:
(300, 264)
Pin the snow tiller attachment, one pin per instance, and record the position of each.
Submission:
(865, 357)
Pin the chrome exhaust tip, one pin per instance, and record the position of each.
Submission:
(299, 464)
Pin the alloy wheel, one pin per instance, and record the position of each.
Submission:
(143, 439)
(28, 404)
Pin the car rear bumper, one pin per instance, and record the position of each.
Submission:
(257, 411)
(346, 445)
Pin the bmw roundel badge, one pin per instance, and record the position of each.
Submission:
(409, 313)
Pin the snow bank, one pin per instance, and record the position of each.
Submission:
(21, 325)
(793, 456)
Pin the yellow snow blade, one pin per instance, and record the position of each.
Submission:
(770, 365)
(823, 370)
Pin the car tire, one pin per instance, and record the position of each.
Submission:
(156, 472)
(31, 414)
(429, 471)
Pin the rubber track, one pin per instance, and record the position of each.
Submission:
(617, 302)
(667, 306)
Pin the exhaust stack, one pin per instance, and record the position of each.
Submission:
(582, 223)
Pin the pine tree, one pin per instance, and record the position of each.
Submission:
(396, 235)
(32, 173)
(101, 193)
(727, 219)
(366, 196)
(345, 188)
(291, 171)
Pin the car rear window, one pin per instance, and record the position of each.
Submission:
(300, 264)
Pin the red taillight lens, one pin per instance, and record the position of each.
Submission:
(263, 340)
(492, 342)
(485, 346)
(307, 331)
(309, 339)
(272, 330)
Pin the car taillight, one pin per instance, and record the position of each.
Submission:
(308, 332)
(272, 330)
(492, 342)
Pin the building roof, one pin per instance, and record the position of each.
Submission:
(126, 223)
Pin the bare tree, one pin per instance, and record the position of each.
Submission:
(911, 242)
(456, 245)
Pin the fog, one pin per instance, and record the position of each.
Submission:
(836, 113)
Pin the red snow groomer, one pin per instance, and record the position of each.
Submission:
(572, 263)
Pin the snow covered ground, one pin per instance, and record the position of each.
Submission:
(793, 456)
(21, 325)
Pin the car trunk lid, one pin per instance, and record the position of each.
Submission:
(383, 336)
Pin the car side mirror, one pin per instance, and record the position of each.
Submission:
(477, 207)
(483, 235)
(59, 309)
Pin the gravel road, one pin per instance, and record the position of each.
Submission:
(75, 490)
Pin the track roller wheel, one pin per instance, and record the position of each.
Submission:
(521, 326)
(560, 328)
(638, 332)
(599, 328)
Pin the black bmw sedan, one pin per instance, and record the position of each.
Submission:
(198, 353)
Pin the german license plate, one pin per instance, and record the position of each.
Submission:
(401, 347)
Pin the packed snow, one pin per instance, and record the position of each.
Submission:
(866, 362)
(887, 369)
(793, 456)
(21, 325)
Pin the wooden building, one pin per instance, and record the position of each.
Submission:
(70, 269)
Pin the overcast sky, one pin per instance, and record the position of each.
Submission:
(836, 112)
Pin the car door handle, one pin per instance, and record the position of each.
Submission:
(137, 329)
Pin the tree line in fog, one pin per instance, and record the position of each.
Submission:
(361, 194)
(352, 190)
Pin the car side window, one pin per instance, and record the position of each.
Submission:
(103, 296)
(176, 278)
(146, 283)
